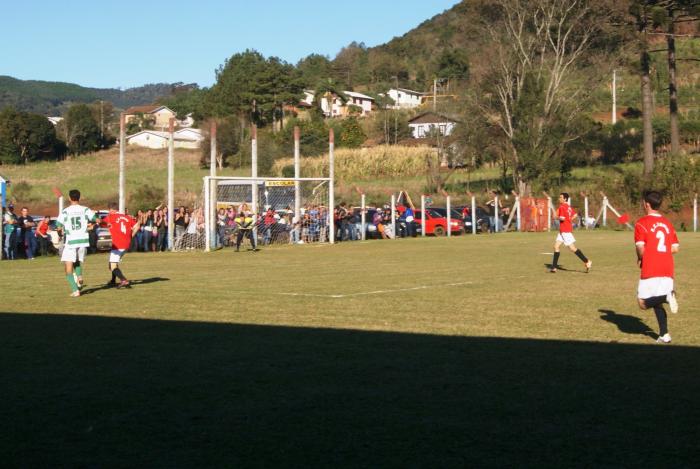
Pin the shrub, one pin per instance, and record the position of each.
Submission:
(146, 197)
(21, 191)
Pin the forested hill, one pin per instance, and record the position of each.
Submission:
(53, 98)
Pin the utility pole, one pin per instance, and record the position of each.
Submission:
(102, 125)
(396, 116)
(614, 98)
(434, 94)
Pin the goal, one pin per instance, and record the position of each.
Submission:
(285, 210)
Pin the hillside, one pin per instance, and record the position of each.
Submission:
(54, 98)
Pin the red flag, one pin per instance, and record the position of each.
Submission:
(622, 219)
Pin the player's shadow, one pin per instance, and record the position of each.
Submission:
(564, 269)
(81, 390)
(627, 324)
(106, 286)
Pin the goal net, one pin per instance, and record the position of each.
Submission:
(283, 210)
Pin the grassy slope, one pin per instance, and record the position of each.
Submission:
(97, 176)
(209, 361)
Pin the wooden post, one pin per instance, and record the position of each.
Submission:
(171, 186)
(122, 160)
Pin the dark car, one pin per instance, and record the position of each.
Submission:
(482, 219)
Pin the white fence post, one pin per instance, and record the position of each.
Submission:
(297, 173)
(331, 186)
(449, 216)
(605, 211)
(496, 214)
(473, 215)
(695, 214)
(393, 216)
(171, 186)
(585, 212)
(207, 213)
(363, 215)
(422, 215)
(518, 220)
(211, 207)
(549, 213)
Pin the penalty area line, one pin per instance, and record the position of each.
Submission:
(376, 292)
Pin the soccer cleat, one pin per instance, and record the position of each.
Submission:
(124, 284)
(553, 270)
(664, 339)
(75, 294)
(672, 302)
(589, 264)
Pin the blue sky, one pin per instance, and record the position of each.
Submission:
(110, 44)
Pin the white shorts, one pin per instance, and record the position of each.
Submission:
(115, 255)
(654, 286)
(73, 254)
(566, 238)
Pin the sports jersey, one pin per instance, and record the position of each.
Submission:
(657, 235)
(74, 219)
(567, 213)
(120, 227)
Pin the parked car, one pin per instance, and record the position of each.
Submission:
(482, 219)
(102, 237)
(436, 224)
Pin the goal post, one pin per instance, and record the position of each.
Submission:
(283, 196)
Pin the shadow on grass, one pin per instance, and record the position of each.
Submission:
(86, 391)
(564, 269)
(106, 286)
(627, 324)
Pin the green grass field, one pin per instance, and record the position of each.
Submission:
(457, 352)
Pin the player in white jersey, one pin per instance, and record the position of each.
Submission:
(74, 221)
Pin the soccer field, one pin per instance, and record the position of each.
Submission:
(414, 352)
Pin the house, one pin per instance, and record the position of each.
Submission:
(338, 107)
(188, 121)
(360, 100)
(405, 98)
(160, 115)
(183, 138)
(426, 124)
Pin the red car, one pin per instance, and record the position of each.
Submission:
(436, 224)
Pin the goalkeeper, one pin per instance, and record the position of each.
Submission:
(245, 224)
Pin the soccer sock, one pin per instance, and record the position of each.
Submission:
(71, 282)
(581, 256)
(78, 269)
(654, 301)
(662, 319)
(117, 272)
(555, 260)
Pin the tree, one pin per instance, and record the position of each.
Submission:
(80, 130)
(228, 143)
(253, 88)
(531, 94)
(453, 64)
(26, 137)
(103, 114)
(314, 68)
(351, 133)
(187, 99)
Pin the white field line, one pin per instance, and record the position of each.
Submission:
(376, 292)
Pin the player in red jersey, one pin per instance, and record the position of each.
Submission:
(566, 215)
(122, 227)
(656, 242)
